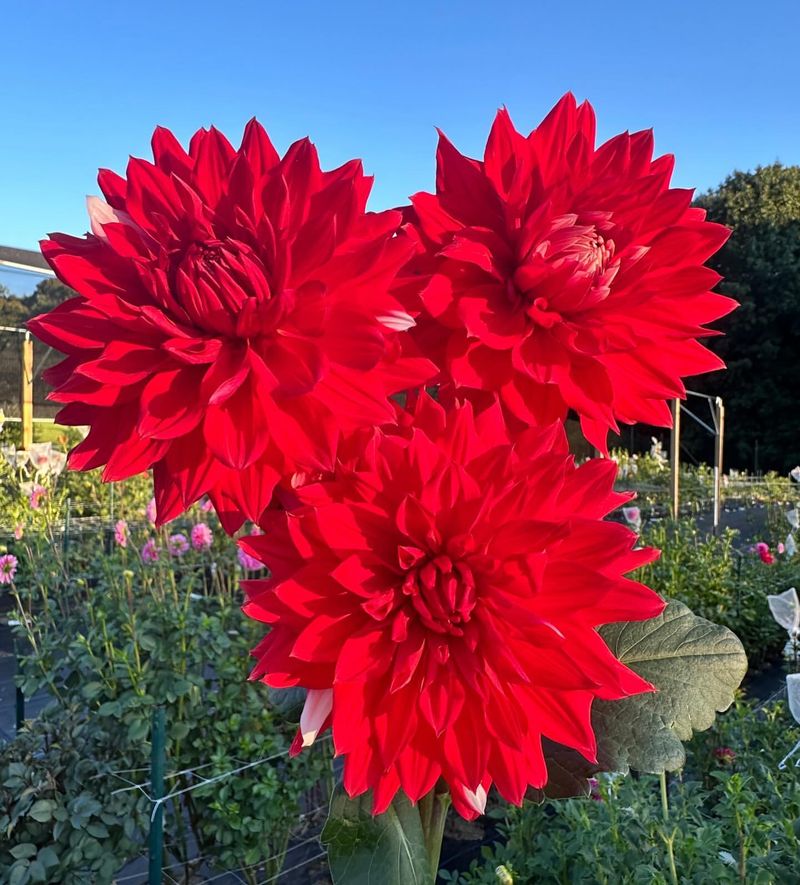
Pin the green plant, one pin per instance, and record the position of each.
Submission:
(131, 635)
(731, 818)
(59, 818)
(720, 583)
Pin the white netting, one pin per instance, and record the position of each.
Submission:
(785, 608)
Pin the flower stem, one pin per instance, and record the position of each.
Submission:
(433, 809)
(671, 838)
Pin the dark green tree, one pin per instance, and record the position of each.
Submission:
(761, 269)
(15, 310)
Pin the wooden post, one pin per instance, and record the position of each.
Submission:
(675, 457)
(719, 441)
(26, 390)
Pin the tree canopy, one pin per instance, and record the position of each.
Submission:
(14, 311)
(761, 269)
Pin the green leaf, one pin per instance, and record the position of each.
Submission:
(24, 849)
(18, 873)
(385, 850)
(287, 701)
(91, 690)
(138, 729)
(42, 810)
(567, 773)
(37, 872)
(696, 667)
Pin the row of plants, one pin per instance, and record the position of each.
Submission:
(731, 815)
(110, 633)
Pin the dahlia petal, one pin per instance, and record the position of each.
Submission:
(417, 772)
(100, 214)
(165, 412)
(477, 799)
(316, 710)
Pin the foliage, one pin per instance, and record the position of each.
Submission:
(761, 267)
(719, 583)
(135, 635)
(58, 817)
(728, 821)
(49, 293)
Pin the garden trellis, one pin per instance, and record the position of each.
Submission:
(717, 430)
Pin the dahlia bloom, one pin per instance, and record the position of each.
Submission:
(178, 545)
(150, 511)
(233, 317)
(121, 533)
(763, 551)
(150, 551)
(202, 537)
(561, 275)
(8, 568)
(438, 599)
(37, 495)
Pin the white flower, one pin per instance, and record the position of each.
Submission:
(795, 473)
(790, 545)
(728, 858)
(793, 517)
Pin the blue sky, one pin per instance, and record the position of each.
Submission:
(86, 82)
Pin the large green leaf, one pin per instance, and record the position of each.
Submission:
(696, 667)
(385, 850)
(287, 701)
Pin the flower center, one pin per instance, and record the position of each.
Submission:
(442, 593)
(568, 268)
(217, 282)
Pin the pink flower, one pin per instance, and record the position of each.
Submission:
(781, 548)
(150, 551)
(206, 505)
(121, 533)
(36, 496)
(19, 531)
(202, 538)
(247, 562)
(764, 555)
(594, 790)
(177, 544)
(150, 511)
(8, 568)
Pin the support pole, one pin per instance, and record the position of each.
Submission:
(26, 390)
(719, 440)
(675, 457)
(158, 760)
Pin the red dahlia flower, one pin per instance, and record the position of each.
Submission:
(233, 316)
(561, 275)
(439, 601)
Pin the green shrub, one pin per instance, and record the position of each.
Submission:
(728, 821)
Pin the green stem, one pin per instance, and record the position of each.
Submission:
(671, 838)
(433, 809)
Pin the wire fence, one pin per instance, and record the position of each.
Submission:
(11, 375)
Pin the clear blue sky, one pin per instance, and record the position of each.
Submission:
(85, 82)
